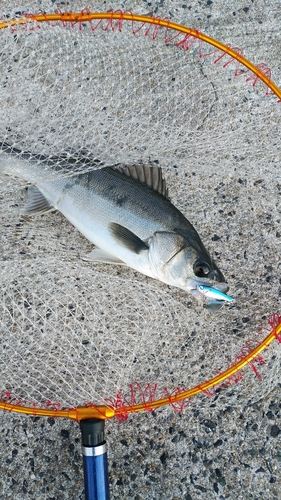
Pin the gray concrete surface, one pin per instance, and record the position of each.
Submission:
(202, 454)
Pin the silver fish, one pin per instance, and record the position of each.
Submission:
(126, 213)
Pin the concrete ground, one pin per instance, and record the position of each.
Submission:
(232, 454)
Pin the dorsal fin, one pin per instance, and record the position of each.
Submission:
(149, 175)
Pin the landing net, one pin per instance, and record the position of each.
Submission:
(83, 91)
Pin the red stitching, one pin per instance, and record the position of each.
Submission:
(113, 23)
(179, 405)
(153, 30)
(274, 320)
(210, 392)
(187, 42)
(118, 403)
(231, 59)
(235, 379)
(48, 404)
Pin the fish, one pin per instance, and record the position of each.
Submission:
(125, 212)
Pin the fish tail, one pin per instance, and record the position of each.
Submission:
(15, 166)
(6, 164)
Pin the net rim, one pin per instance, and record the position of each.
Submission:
(77, 18)
(105, 412)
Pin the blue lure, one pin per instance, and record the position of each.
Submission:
(213, 294)
(217, 297)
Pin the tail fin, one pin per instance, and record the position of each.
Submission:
(14, 163)
(11, 166)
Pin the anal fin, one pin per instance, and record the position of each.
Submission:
(98, 255)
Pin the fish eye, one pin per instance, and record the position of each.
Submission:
(201, 269)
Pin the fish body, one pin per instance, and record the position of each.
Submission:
(126, 214)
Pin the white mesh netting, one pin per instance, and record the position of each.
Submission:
(73, 99)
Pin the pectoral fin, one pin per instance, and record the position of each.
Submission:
(98, 255)
(36, 202)
(127, 239)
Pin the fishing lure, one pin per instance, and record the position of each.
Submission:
(213, 293)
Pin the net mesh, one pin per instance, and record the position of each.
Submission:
(78, 96)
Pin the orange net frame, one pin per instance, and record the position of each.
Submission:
(253, 74)
(86, 16)
(105, 412)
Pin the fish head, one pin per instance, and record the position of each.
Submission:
(186, 264)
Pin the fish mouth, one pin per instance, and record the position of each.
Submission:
(219, 282)
(221, 287)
